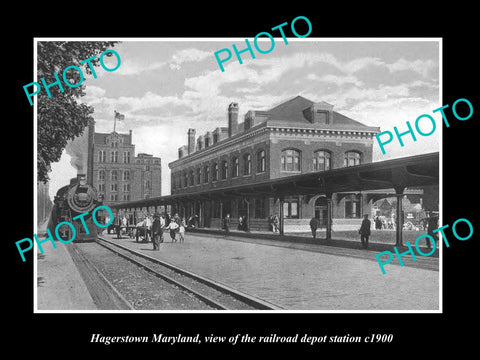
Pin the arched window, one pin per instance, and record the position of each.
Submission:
(224, 171)
(114, 157)
(206, 174)
(191, 178)
(261, 161)
(215, 172)
(352, 206)
(101, 175)
(126, 157)
(102, 156)
(290, 160)
(352, 158)
(114, 175)
(235, 167)
(185, 179)
(199, 175)
(321, 160)
(247, 164)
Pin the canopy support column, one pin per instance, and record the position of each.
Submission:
(399, 219)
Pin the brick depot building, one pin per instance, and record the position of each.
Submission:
(120, 176)
(295, 137)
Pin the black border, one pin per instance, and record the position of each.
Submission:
(56, 334)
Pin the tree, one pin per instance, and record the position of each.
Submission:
(60, 117)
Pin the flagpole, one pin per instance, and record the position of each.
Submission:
(114, 121)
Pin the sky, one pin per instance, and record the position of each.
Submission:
(167, 86)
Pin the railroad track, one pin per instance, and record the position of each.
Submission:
(213, 293)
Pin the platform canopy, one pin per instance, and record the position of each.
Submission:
(400, 173)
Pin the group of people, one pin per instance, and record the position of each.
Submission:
(242, 223)
(383, 224)
(154, 228)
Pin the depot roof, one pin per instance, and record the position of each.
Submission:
(418, 170)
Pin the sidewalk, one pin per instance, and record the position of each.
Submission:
(59, 283)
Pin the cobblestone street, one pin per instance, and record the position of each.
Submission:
(312, 277)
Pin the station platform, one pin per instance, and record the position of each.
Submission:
(59, 283)
(380, 240)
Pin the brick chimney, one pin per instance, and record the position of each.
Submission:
(232, 119)
(191, 141)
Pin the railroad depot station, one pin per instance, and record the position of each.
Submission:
(298, 160)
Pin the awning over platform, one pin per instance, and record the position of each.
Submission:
(413, 171)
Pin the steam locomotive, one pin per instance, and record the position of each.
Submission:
(70, 201)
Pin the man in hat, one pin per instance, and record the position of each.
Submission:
(314, 224)
(157, 231)
(365, 231)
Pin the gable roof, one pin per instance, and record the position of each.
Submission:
(291, 113)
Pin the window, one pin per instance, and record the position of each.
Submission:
(242, 208)
(199, 175)
(207, 142)
(290, 160)
(322, 117)
(147, 184)
(191, 183)
(235, 166)
(126, 157)
(114, 187)
(215, 138)
(126, 197)
(101, 156)
(321, 160)
(101, 187)
(352, 206)
(247, 164)
(290, 208)
(113, 197)
(261, 161)
(101, 175)
(224, 170)
(126, 187)
(352, 158)
(126, 175)
(184, 182)
(215, 172)
(260, 212)
(206, 174)
(114, 156)
(114, 175)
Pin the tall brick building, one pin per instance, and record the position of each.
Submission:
(295, 137)
(120, 176)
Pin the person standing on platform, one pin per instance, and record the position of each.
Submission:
(365, 231)
(314, 226)
(181, 229)
(173, 226)
(275, 223)
(148, 227)
(226, 224)
(240, 223)
(157, 232)
(432, 224)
